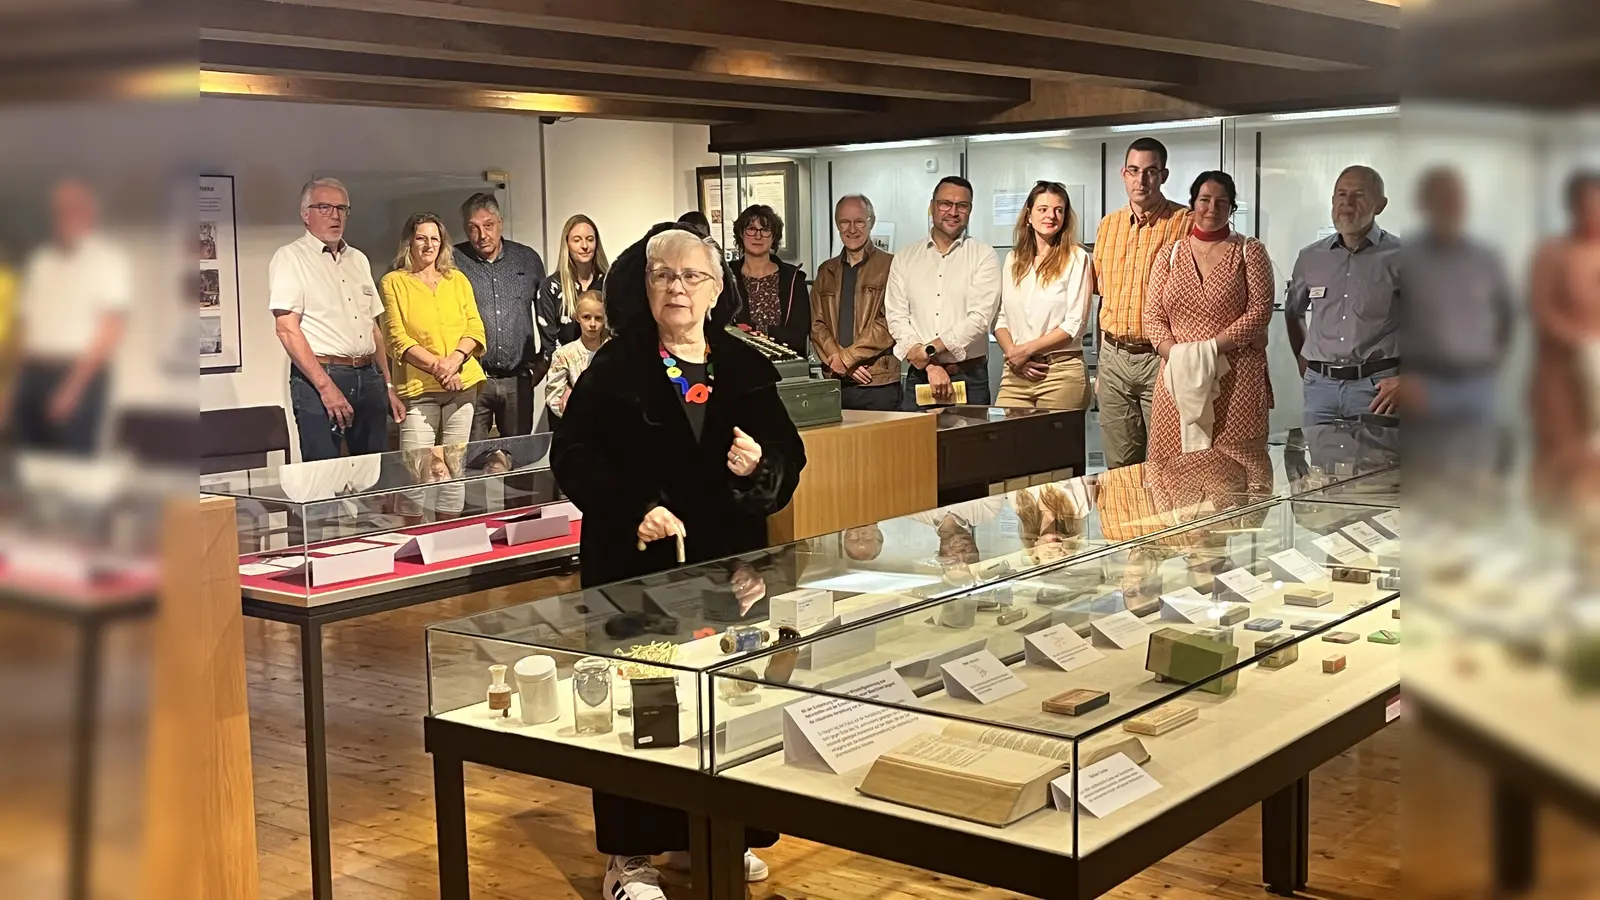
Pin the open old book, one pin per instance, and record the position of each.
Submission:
(963, 778)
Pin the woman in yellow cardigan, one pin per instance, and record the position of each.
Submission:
(435, 338)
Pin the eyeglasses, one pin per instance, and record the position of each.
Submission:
(758, 231)
(1149, 173)
(328, 209)
(945, 206)
(662, 279)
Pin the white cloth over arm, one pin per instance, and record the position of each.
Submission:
(1193, 375)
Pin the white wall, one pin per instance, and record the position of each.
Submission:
(620, 174)
(272, 148)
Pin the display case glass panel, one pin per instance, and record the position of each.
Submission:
(692, 619)
(323, 531)
(986, 711)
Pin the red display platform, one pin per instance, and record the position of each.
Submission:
(294, 587)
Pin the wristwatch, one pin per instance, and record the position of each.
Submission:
(930, 350)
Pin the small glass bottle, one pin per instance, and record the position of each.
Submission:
(591, 696)
(499, 693)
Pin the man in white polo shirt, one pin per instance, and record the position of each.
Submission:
(941, 300)
(327, 308)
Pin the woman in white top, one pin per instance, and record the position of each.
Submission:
(1044, 306)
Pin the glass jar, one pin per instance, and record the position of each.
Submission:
(591, 696)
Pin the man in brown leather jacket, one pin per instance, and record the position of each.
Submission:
(848, 327)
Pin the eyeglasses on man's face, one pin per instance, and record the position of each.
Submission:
(1148, 173)
(691, 278)
(945, 206)
(328, 209)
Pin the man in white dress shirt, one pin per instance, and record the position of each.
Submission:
(75, 296)
(941, 301)
(327, 308)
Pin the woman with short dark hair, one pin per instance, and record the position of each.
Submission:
(1212, 285)
(769, 294)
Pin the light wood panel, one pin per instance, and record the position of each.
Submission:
(870, 467)
(201, 825)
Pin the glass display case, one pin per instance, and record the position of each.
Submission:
(1133, 677)
(318, 532)
(670, 629)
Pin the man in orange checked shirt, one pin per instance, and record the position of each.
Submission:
(1129, 241)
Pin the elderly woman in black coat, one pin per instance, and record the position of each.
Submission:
(674, 431)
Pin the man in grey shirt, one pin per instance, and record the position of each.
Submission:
(1458, 325)
(506, 279)
(1350, 285)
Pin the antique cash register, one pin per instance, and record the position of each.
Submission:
(810, 401)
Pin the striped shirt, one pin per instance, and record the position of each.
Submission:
(1124, 249)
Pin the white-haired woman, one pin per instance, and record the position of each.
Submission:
(848, 324)
(674, 430)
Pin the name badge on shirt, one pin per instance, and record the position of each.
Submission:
(1317, 293)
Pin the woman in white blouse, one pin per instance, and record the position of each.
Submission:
(1044, 306)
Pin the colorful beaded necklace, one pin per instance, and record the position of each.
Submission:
(691, 393)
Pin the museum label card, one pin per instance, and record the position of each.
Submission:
(260, 569)
(1339, 547)
(564, 508)
(1188, 605)
(285, 562)
(804, 609)
(1293, 565)
(375, 560)
(1105, 787)
(925, 666)
(1060, 646)
(980, 676)
(1122, 630)
(1389, 521)
(1244, 584)
(341, 549)
(526, 529)
(843, 734)
(396, 537)
(1365, 535)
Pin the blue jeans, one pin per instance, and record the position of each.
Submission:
(320, 438)
(974, 372)
(1328, 399)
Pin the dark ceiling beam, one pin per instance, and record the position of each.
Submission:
(320, 90)
(1233, 88)
(1054, 107)
(266, 59)
(1235, 30)
(781, 27)
(282, 24)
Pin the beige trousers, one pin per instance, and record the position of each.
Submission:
(1126, 388)
(432, 440)
(1064, 387)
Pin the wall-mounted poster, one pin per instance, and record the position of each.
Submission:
(883, 236)
(218, 281)
(774, 184)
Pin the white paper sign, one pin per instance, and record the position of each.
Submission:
(341, 549)
(1121, 630)
(1195, 611)
(1392, 710)
(1339, 548)
(1292, 565)
(260, 569)
(396, 537)
(981, 677)
(285, 562)
(845, 735)
(1389, 521)
(924, 666)
(1365, 535)
(1247, 586)
(449, 543)
(1060, 646)
(1105, 786)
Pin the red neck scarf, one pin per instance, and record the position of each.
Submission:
(1210, 236)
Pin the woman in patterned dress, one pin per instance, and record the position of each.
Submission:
(1213, 283)
(769, 295)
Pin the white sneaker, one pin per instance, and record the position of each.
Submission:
(632, 878)
(754, 869)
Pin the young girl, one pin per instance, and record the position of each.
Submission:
(571, 359)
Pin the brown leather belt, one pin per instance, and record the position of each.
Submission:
(1056, 356)
(1128, 345)
(354, 362)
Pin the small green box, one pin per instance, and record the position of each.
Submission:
(1384, 636)
(1175, 655)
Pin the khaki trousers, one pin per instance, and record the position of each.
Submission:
(1126, 388)
(1064, 387)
